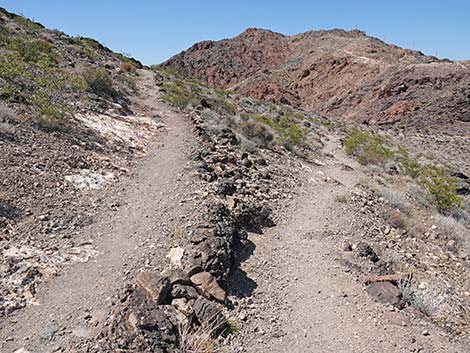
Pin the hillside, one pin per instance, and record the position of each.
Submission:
(339, 73)
(142, 210)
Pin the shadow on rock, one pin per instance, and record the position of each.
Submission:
(239, 283)
(8, 211)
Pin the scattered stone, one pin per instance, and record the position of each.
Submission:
(209, 314)
(385, 293)
(176, 255)
(207, 285)
(154, 286)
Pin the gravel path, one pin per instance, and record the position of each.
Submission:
(154, 200)
(304, 299)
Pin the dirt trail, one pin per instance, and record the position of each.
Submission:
(305, 301)
(154, 200)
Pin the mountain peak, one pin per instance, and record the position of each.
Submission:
(343, 73)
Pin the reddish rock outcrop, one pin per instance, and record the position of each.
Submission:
(340, 73)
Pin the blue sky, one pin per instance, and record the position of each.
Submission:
(152, 31)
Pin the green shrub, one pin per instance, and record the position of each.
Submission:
(28, 24)
(407, 164)
(367, 149)
(178, 95)
(442, 187)
(12, 77)
(99, 82)
(33, 51)
(287, 131)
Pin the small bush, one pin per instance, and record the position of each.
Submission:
(450, 228)
(33, 51)
(178, 95)
(442, 187)
(395, 218)
(396, 200)
(128, 67)
(99, 82)
(257, 132)
(129, 81)
(7, 115)
(287, 131)
(367, 149)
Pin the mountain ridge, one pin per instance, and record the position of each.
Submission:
(341, 73)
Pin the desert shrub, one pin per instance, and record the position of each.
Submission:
(33, 51)
(257, 132)
(450, 227)
(177, 94)
(367, 149)
(13, 77)
(99, 82)
(129, 81)
(7, 114)
(407, 164)
(396, 200)
(287, 131)
(27, 24)
(429, 301)
(442, 187)
(89, 53)
(128, 67)
(395, 218)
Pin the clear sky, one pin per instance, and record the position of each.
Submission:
(152, 31)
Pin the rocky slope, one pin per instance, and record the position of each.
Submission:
(146, 211)
(335, 72)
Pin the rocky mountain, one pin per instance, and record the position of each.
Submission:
(339, 73)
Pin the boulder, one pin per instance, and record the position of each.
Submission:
(207, 286)
(385, 293)
(209, 315)
(154, 286)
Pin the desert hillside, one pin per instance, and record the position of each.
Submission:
(346, 74)
(222, 202)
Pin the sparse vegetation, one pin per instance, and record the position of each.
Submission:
(367, 149)
(178, 95)
(441, 186)
(261, 134)
(427, 301)
(128, 67)
(436, 180)
(99, 82)
(287, 131)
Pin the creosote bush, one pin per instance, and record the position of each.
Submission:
(367, 149)
(443, 187)
(99, 82)
(435, 180)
